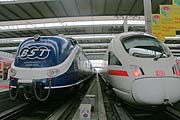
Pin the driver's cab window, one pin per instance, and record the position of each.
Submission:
(73, 41)
(113, 60)
(144, 46)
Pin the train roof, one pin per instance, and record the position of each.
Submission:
(52, 38)
(128, 34)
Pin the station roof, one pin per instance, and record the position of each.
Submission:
(92, 22)
(40, 9)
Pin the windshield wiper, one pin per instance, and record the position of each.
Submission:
(159, 56)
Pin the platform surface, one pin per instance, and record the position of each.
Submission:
(98, 110)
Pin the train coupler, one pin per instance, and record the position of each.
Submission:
(167, 102)
(24, 88)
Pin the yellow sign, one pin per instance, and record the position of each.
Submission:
(176, 18)
(176, 10)
(176, 3)
(156, 26)
(167, 20)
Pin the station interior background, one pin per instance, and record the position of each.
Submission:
(92, 22)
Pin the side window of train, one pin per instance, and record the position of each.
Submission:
(113, 60)
(73, 41)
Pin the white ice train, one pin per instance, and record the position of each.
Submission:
(142, 70)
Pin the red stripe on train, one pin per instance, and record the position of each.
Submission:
(118, 72)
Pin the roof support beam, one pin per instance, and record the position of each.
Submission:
(173, 45)
(22, 1)
(95, 57)
(6, 55)
(94, 50)
(97, 46)
(69, 22)
(95, 54)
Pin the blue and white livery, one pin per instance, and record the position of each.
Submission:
(45, 63)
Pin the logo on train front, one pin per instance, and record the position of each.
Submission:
(34, 52)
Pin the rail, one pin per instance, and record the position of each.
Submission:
(9, 114)
(117, 110)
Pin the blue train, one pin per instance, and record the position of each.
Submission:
(45, 63)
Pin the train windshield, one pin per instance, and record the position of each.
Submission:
(145, 47)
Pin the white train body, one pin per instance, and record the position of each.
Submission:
(142, 70)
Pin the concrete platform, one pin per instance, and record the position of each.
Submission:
(93, 100)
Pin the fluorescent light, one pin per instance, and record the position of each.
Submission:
(6, 0)
(172, 38)
(12, 40)
(62, 24)
(173, 45)
(70, 24)
(135, 22)
(95, 45)
(8, 48)
(92, 36)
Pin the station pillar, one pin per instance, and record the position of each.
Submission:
(147, 15)
(125, 25)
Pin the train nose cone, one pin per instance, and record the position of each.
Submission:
(153, 91)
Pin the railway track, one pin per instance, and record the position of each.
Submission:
(166, 114)
(116, 110)
(53, 110)
(4, 96)
(64, 109)
(172, 113)
(64, 112)
(112, 106)
(6, 103)
(9, 114)
(61, 108)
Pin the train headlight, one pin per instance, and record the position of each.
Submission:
(137, 71)
(12, 72)
(53, 72)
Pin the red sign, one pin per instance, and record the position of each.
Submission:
(159, 73)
